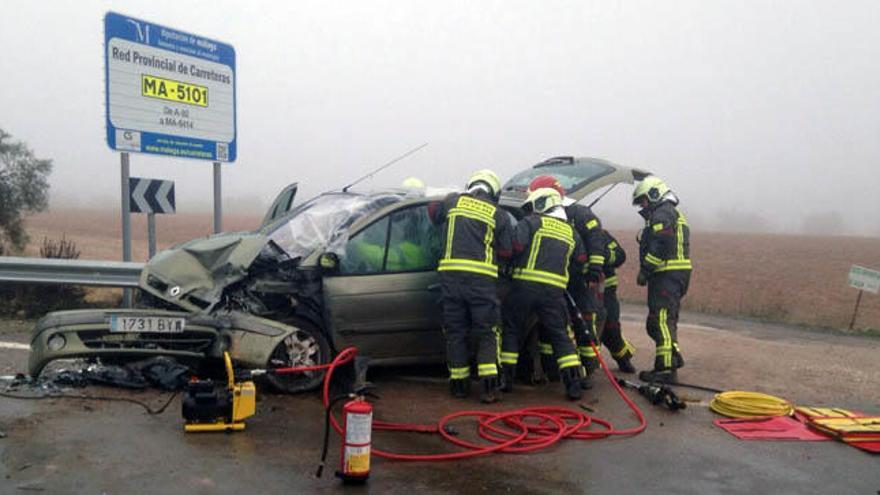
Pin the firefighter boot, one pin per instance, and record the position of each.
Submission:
(677, 359)
(571, 379)
(551, 370)
(590, 365)
(460, 387)
(659, 376)
(586, 379)
(625, 365)
(489, 392)
(508, 375)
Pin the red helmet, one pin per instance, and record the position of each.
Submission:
(547, 181)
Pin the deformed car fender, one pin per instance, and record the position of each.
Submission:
(252, 348)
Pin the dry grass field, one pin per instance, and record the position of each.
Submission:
(793, 279)
(783, 278)
(98, 234)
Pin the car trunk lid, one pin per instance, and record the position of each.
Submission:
(579, 177)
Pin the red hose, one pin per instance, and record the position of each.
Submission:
(515, 431)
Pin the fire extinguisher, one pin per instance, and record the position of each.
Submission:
(357, 427)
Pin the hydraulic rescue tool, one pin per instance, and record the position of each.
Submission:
(658, 394)
(209, 405)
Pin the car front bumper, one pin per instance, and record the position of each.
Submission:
(250, 340)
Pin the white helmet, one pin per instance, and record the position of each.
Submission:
(543, 200)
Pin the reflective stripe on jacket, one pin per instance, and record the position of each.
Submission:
(589, 228)
(615, 256)
(546, 247)
(475, 234)
(665, 241)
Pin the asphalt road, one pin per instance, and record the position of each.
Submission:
(59, 446)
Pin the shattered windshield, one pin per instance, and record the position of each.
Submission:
(323, 222)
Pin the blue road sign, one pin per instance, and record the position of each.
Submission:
(168, 92)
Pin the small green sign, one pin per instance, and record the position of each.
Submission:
(864, 279)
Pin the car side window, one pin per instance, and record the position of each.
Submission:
(365, 251)
(404, 241)
(414, 243)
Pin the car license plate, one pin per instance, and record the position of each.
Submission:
(152, 324)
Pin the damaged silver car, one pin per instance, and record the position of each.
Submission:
(340, 269)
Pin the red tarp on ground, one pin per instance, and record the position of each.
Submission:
(810, 424)
(769, 428)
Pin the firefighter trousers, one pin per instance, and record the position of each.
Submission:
(549, 303)
(470, 314)
(612, 337)
(589, 300)
(665, 291)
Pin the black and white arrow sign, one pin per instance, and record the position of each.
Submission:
(151, 195)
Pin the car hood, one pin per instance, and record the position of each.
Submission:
(193, 275)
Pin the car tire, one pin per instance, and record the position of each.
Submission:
(306, 346)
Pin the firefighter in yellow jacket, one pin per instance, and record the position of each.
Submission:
(476, 233)
(665, 267)
(546, 248)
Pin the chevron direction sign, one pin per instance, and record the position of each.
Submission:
(151, 195)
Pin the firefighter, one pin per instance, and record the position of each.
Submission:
(545, 249)
(665, 267)
(620, 348)
(476, 234)
(585, 286)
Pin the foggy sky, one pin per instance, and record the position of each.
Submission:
(755, 112)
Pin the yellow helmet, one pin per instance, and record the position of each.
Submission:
(651, 188)
(412, 183)
(487, 177)
(542, 200)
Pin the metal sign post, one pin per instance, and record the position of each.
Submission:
(863, 279)
(218, 200)
(852, 322)
(151, 234)
(126, 223)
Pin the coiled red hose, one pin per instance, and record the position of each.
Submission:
(515, 431)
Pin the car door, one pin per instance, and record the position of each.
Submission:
(579, 177)
(385, 297)
(282, 204)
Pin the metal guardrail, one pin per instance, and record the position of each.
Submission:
(74, 272)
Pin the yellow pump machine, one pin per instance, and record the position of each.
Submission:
(209, 405)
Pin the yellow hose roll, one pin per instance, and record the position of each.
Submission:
(742, 404)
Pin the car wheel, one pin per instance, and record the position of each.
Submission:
(305, 346)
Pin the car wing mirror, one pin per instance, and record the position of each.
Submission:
(329, 262)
